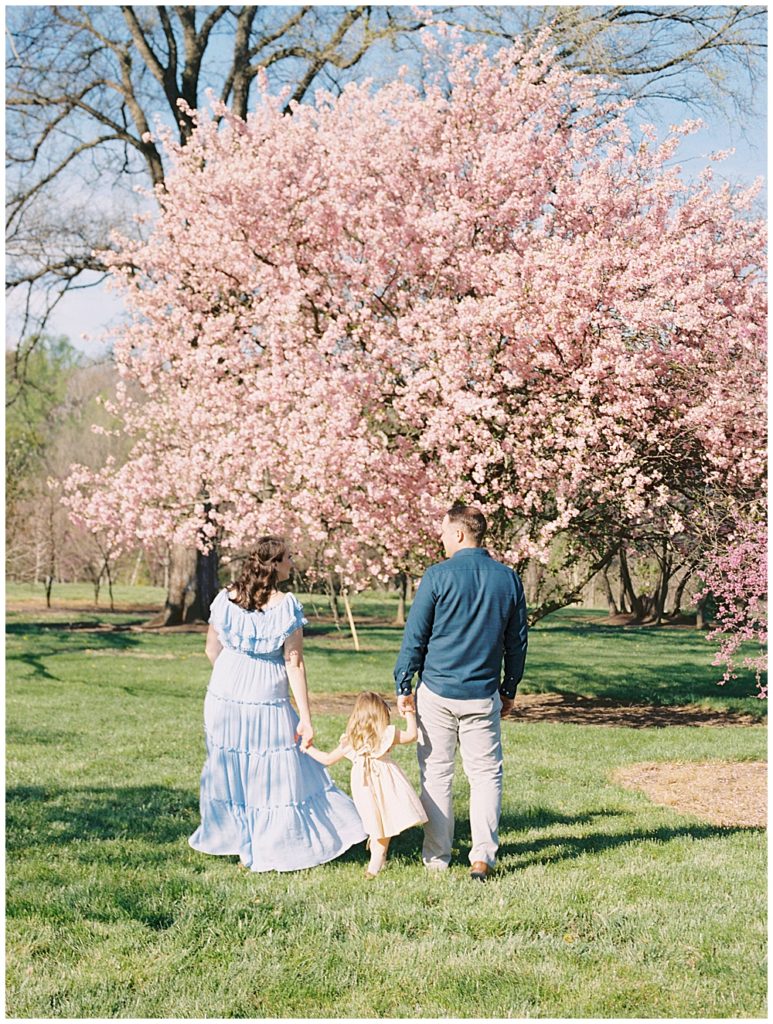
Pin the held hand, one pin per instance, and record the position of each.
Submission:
(405, 703)
(507, 706)
(304, 732)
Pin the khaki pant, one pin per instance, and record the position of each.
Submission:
(476, 725)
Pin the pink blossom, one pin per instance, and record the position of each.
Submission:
(345, 319)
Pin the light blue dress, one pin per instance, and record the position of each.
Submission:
(261, 798)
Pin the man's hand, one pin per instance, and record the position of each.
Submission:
(405, 703)
(507, 706)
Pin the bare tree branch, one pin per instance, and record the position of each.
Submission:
(237, 82)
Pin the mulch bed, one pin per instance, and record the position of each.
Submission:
(570, 708)
(729, 794)
(575, 710)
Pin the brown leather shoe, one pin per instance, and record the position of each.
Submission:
(480, 871)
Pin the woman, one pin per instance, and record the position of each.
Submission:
(260, 797)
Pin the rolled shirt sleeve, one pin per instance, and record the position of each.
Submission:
(418, 629)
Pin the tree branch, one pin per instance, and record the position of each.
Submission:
(165, 76)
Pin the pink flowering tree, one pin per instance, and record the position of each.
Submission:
(736, 577)
(344, 319)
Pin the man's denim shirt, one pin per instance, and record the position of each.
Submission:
(468, 614)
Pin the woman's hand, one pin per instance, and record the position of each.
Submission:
(304, 732)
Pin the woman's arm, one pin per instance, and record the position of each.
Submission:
(212, 647)
(327, 759)
(296, 673)
(407, 735)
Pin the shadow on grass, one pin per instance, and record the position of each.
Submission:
(515, 855)
(38, 817)
(46, 816)
(46, 642)
(676, 683)
(633, 663)
(45, 737)
(110, 631)
(124, 858)
(551, 849)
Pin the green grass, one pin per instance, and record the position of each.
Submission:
(603, 906)
(71, 595)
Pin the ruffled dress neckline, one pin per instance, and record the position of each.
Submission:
(256, 633)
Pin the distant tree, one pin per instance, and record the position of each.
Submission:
(52, 413)
(37, 375)
(709, 57)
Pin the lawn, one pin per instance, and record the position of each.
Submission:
(604, 905)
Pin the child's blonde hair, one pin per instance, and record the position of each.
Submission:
(367, 722)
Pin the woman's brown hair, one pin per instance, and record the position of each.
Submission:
(258, 578)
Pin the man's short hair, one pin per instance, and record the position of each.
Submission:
(471, 518)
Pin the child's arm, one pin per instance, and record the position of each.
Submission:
(407, 735)
(327, 759)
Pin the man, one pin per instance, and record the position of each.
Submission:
(468, 614)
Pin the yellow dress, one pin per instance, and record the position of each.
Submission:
(382, 794)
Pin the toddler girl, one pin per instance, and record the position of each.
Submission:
(382, 794)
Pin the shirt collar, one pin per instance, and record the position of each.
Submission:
(467, 552)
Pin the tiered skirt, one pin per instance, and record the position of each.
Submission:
(261, 798)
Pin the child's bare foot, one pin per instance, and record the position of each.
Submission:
(378, 855)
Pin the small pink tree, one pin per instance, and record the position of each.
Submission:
(737, 579)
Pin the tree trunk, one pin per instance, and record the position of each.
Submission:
(700, 618)
(607, 588)
(136, 569)
(532, 580)
(402, 593)
(109, 585)
(621, 600)
(51, 556)
(661, 594)
(634, 601)
(333, 597)
(677, 610)
(207, 582)
(193, 583)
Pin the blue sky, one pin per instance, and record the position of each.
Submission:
(93, 311)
